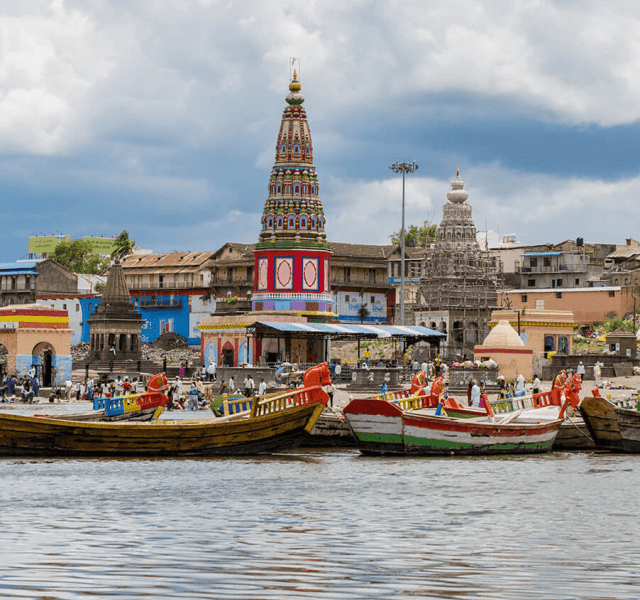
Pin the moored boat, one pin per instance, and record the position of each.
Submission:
(131, 407)
(382, 427)
(273, 424)
(601, 420)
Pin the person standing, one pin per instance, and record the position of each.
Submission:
(182, 371)
(193, 396)
(262, 388)
(232, 385)
(580, 370)
(35, 385)
(367, 356)
(475, 394)
(211, 371)
(252, 386)
(536, 384)
(597, 372)
(247, 386)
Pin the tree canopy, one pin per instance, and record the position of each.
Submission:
(77, 255)
(124, 245)
(416, 236)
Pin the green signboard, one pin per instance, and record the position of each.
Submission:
(43, 245)
(101, 245)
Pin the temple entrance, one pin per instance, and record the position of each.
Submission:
(42, 360)
(227, 356)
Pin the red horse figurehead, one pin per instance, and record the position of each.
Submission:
(158, 383)
(317, 376)
(572, 387)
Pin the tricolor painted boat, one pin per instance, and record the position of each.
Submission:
(382, 427)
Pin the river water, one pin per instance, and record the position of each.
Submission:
(321, 524)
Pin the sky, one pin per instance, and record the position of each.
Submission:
(161, 118)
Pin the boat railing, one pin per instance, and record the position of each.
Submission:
(279, 402)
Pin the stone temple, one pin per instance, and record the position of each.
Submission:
(459, 281)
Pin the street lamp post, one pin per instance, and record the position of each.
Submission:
(397, 167)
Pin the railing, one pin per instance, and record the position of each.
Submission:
(165, 285)
(553, 269)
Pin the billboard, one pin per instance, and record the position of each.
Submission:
(44, 244)
(101, 245)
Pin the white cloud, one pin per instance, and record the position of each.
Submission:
(538, 207)
(70, 71)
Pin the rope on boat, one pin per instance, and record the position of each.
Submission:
(578, 428)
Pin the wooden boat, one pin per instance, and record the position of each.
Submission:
(602, 422)
(612, 427)
(331, 429)
(272, 424)
(131, 407)
(382, 427)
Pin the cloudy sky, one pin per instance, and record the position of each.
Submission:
(161, 117)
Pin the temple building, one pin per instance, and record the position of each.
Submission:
(459, 281)
(115, 325)
(292, 257)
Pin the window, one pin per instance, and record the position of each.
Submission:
(346, 297)
(160, 281)
(533, 262)
(539, 304)
(547, 262)
(372, 275)
(523, 298)
(558, 282)
(373, 299)
(531, 283)
(64, 307)
(558, 294)
(77, 308)
(577, 282)
(347, 273)
(612, 294)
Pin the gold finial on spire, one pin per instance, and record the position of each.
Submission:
(295, 75)
(458, 172)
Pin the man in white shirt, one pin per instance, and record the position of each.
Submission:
(475, 394)
(262, 388)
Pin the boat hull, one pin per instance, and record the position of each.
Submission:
(331, 429)
(629, 425)
(602, 422)
(225, 436)
(377, 425)
(574, 435)
(425, 435)
(383, 428)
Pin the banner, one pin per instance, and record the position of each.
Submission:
(101, 245)
(43, 244)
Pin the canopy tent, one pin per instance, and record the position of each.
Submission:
(343, 331)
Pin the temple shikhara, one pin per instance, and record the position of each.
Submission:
(292, 257)
(459, 282)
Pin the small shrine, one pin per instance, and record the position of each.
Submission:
(292, 257)
(622, 342)
(115, 326)
(505, 346)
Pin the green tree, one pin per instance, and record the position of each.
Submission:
(77, 256)
(416, 236)
(124, 245)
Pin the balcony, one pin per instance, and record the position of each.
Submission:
(552, 269)
(180, 285)
(150, 304)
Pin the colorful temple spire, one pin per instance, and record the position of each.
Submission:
(293, 258)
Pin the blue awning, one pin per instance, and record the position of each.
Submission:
(542, 254)
(25, 272)
(338, 329)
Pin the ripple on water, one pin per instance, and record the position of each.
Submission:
(309, 524)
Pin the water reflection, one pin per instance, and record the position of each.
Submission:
(314, 524)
